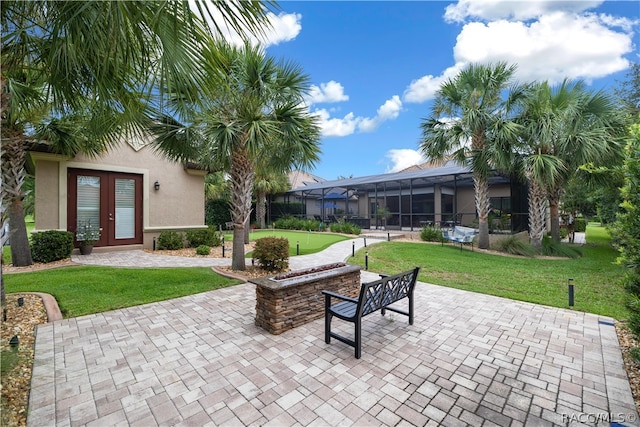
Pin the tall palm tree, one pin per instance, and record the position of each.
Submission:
(251, 108)
(468, 123)
(56, 55)
(563, 128)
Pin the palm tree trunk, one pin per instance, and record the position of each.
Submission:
(537, 214)
(13, 174)
(554, 212)
(261, 208)
(241, 176)
(482, 206)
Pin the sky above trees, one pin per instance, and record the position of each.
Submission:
(375, 66)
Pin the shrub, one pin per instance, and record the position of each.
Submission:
(430, 233)
(515, 246)
(580, 225)
(206, 236)
(170, 240)
(272, 253)
(551, 248)
(52, 245)
(203, 250)
(345, 227)
(291, 223)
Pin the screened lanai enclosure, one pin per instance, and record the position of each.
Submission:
(439, 196)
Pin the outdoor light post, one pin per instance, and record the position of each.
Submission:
(366, 260)
(570, 285)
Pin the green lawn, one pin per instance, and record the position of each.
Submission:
(597, 278)
(86, 290)
(309, 242)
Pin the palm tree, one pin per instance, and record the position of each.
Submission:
(468, 123)
(251, 109)
(563, 128)
(58, 55)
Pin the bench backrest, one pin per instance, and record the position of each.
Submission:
(383, 292)
(464, 231)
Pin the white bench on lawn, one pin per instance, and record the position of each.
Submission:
(459, 234)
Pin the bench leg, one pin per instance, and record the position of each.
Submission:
(358, 338)
(411, 309)
(327, 320)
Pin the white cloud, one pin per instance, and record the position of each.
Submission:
(350, 123)
(556, 46)
(284, 27)
(425, 87)
(402, 158)
(387, 111)
(336, 126)
(327, 92)
(493, 10)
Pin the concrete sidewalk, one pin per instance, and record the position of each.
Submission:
(469, 359)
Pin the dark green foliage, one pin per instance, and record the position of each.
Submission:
(216, 212)
(515, 246)
(203, 250)
(626, 231)
(345, 228)
(205, 236)
(580, 225)
(51, 245)
(292, 223)
(272, 253)
(283, 209)
(170, 240)
(431, 234)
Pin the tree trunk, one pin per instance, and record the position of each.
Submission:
(241, 177)
(261, 208)
(20, 250)
(247, 230)
(13, 174)
(482, 206)
(554, 213)
(537, 215)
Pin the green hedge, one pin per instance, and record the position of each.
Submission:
(52, 245)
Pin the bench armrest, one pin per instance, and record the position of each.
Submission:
(338, 296)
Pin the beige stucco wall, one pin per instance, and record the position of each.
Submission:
(177, 205)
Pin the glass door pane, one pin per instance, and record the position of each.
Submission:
(88, 202)
(125, 191)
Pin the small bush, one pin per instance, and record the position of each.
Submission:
(207, 236)
(580, 225)
(203, 250)
(345, 228)
(170, 240)
(52, 245)
(431, 234)
(272, 253)
(515, 246)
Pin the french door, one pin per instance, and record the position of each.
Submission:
(109, 201)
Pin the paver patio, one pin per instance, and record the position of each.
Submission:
(469, 359)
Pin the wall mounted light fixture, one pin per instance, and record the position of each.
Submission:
(156, 185)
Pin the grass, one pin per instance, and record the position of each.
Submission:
(309, 242)
(86, 290)
(597, 278)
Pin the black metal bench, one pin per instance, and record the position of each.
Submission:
(377, 295)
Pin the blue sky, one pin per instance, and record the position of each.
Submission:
(375, 65)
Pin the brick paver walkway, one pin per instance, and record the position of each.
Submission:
(469, 359)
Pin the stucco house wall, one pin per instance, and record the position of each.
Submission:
(178, 204)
